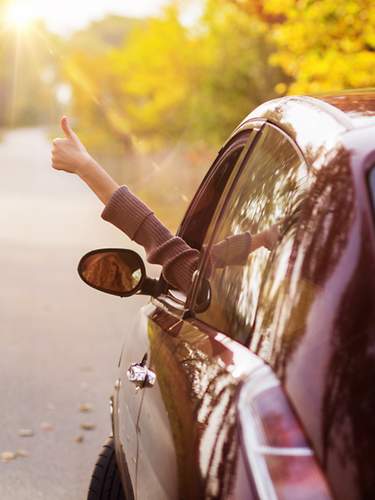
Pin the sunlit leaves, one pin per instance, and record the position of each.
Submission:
(323, 44)
(168, 82)
(158, 81)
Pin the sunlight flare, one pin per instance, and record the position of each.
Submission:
(20, 16)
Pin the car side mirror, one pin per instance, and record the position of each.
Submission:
(116, 271)
(203, 297)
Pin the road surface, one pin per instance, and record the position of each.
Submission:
(59, 339)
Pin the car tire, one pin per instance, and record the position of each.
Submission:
(105, 480)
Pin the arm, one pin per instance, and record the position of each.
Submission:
(235, 249)
(98, 180)
(136, 220)
(126, 211)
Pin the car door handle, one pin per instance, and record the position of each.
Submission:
(141, 376)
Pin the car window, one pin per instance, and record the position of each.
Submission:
(204, 204)
(250, 228)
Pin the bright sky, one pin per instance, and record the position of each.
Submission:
(68, 15)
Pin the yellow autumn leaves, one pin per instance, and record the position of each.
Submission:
(167, 81)
(325, 45)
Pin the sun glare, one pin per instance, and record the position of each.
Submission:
(20, 16)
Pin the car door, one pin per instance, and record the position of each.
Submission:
(188, 440)
(187, 427)
(168, 434)
(138, 346)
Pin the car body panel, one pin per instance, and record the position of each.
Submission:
(314, 125)
(327, 316)
(358, 105)
(180, 436)
(127, 399)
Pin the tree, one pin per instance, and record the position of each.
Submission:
(87, 69)
(322, 45)
(167, 82)
(236, 76)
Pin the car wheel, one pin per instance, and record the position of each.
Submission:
(105, 480)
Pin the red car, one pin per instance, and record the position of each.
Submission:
(259, 382)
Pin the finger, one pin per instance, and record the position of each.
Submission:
(57, 141)
(67, 129)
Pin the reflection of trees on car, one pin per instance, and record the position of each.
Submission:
(200, 403)
(271, 182)
(349, 399)
(303, 262)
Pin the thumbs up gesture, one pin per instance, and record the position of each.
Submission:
(69, 154)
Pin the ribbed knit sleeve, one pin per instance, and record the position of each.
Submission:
(233, 250)
(129, 214)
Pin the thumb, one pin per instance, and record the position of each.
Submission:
(68, 131)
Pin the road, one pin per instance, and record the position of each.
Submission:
(59, 339)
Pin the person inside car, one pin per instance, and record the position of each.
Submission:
(129, 214)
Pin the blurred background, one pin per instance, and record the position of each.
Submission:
(153, 88)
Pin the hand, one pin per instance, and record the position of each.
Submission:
(69, 154)
(271, 237)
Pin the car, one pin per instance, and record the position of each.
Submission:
(258, 381)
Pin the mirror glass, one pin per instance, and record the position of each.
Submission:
(119, 272)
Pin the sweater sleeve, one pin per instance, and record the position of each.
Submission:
(233, 250)
(129, 214)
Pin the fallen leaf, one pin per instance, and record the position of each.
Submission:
(85, 408)
(79, 439)
(25, 432)
(88, 426)
(7, 456)
(46, 426)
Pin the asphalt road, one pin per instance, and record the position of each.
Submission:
(59, 340)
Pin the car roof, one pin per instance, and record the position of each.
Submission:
(317, 122)
(358, 105)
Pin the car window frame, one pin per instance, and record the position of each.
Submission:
(222, 155)
(203, 261)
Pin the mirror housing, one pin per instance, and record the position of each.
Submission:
(118, 272)
(203, 297)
